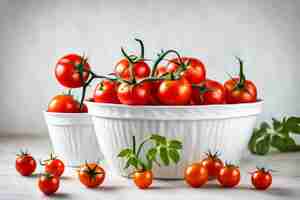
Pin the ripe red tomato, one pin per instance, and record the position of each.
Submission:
(194, 72)
(229, 176)
(196, 175)
(91, 175)
(208, 92)
(25, 164)
(65, 104)
(143, 179)
(48, 184)
(175, 92)
(261, 179)
(68, 68)
(140, 69)
(160, 70)
(106, 92)
(54, 166)
(134, 94)
(213, 164)
(240, 90)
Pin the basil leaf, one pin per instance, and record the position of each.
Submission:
(158, 139)
(125, 153)
(175, 144)
(293, 125)
(264, 126)
(151, 155)
(257, 133)
(174, 155)
(283, 144)
(276, 123)
(263, 146)
(164, 155)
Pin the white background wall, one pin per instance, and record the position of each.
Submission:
(34, 34)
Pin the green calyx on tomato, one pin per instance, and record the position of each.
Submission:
(167, 150)
(92, 172)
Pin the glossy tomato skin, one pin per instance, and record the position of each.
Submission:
(143, 179)
(67, 73)
(213, 166)
(135, 94)
(247, 94)
(175, 92)
(25, 164)
(161, 70)
(63, 104)
(91, 175)
(229, 176)
(55, 167)
(140, 69)
(214, 94)
(106, 92)
(195, 72)
(261, 179)
(196, 175)
(48, 184)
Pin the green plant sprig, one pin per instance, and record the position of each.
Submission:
(277, 136)
(166, 150)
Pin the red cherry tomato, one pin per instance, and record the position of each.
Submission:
(240, 90)
(213, 164)
(143, 179)
(106, 92)
(91, 175)
(48, 184)
(261, 179)
(194, 70)
(68, 68)
(54, 166)
(25, 164)
(140, 69)
(196, 175)
(134, 94)
(229, 176)
(160, 70)
(175, 92)
(65, 104)
(208, 92)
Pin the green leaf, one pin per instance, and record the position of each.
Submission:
(174, 155)
(151, 154)
(175, 144)
(293, 125)
(257, 133)
(276, 123)
(160, 140)
(163, 152)
(125, 153)
(133, 161)
(264, 126)
(263, 145)
(283, 144)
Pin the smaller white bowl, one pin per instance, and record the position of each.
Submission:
(73, 137)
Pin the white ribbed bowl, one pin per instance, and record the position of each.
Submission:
(226, 128)
(73, 137)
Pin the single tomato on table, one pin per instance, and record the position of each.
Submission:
(175, 92)
(196, 175)
(48, 183)
(213, 164)
(72, 71)
(25, 164)
(192, 69)
(106, 92)
(261, 179)
(54, 166)
(143, 179)
(229, 176)
(240, 90)
(91, 175)
(208, 92)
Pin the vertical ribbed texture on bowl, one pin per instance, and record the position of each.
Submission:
(198, 131)
(73, 137)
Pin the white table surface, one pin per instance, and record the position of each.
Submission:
(286, 182)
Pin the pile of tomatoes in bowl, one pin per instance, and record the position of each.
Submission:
(171, 80)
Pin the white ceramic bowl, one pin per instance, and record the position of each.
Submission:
(226, 128)
(73, 137)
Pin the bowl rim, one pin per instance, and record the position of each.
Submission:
(212, 106)
(83, 115)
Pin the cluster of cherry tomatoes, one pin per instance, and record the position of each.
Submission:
(89, 174)
(175, 81)
(228, 175)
